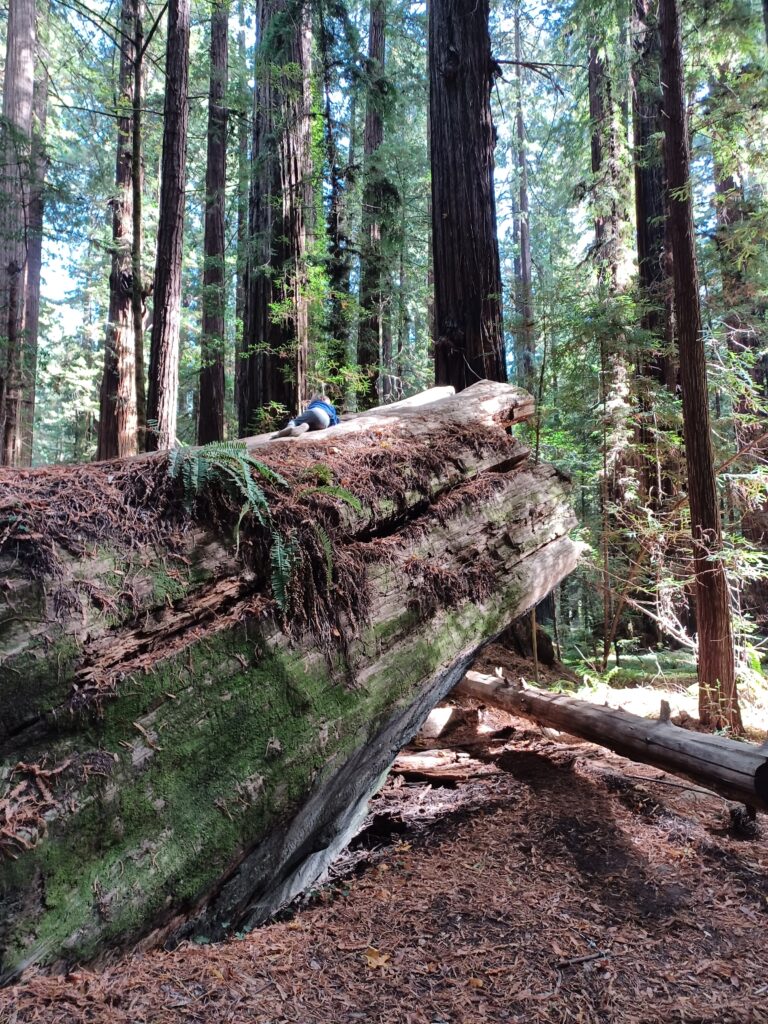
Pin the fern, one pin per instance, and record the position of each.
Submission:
(325, 543)
(282, 558)
(230, 464)
(342, 494)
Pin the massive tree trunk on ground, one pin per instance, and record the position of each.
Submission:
(375, 329)
(166, 318)
(15, 139)
(36, 216)
(117, 406)
(276, 344)
(736, 770)
(718, 704)
(210, 425)
(178, 755)
(469, 343)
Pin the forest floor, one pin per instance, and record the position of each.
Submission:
(514, 877)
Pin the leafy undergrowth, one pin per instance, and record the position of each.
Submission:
(642, 681)
(555, 883)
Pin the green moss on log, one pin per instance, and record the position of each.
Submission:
(225, 741)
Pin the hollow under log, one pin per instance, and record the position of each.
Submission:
(180, 750)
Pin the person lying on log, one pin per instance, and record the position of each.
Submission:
(319, 415)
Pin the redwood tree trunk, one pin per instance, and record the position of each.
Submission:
(469, 343)
(18, 88)
(117, 406)
(374, 314)
(39, 165)
(276, 343)
(525, 341)
(164, 350)
(718, 704)
(242, 206)
(655, 365)
(339, 242)
(211, 415)
(137, 176)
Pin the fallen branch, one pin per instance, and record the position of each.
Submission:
(736, 770)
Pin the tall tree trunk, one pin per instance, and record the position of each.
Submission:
(654, 266)
(164, 351)
(469, 343)
(137, 183)
(15, 138)
(39, 166)
(117, 405)
(211, 413)
(525, 342)
(242, 205)
(374, 312)
(718, 703)
(276, 344)
(339, 243)
(297, 224)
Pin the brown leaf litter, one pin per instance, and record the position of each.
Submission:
(559, 884)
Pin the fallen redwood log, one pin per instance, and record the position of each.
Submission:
(197, 695)
(736, 770)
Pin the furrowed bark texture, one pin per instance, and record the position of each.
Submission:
(171, 761)
(166, 322)
(275, 347)
(117, 405)
(654, 267)
(525, 341)
(718, 704)
(338, 227)
(36, 215)
(210, 425)
(15, 138)
(738, 771)
(137, 182)
(374, 336)
(242, 203)
(469, 343)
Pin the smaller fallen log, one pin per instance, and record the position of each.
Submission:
(736, 770)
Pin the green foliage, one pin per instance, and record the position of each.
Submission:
(327, 546)
(283, 560)
(229, 464)
(341, 494)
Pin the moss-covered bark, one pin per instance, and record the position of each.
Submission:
(171, 753)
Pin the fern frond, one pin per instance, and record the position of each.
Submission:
(342, 494)
(282, 558)
(175, 460)
(263, 470)
(325, 543)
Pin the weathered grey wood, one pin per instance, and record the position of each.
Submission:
(736, 770)
(225, 761)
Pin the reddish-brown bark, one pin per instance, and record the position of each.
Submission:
(164, 351)
(117, 435)
(718, 703)
(210, 425)
(18, 86)
(469, 343)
